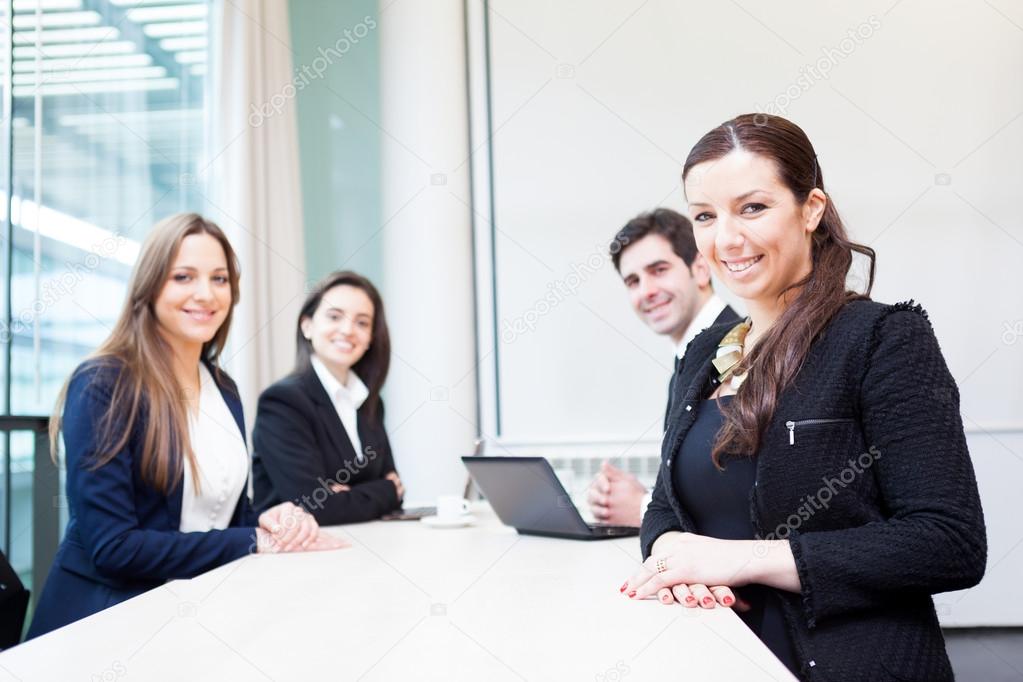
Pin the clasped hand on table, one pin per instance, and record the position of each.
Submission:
(701, 571)
(287, 527)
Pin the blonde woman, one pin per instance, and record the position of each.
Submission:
(154, 439)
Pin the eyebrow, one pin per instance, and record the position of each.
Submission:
(192, 268)
(334, 308)
(738, 198)
(652, 264)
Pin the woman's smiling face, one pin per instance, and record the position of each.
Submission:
(196, 298)
(749, 226)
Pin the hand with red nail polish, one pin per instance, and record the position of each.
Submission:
(707, 568)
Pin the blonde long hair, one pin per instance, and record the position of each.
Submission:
(145, 383)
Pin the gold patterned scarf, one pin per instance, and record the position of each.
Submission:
(729, 353)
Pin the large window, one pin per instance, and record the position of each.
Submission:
(104, 117)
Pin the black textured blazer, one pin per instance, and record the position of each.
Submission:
(301, 447)
(864, 469)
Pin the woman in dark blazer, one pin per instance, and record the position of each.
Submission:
(142, 509)
(319, 436)
(814, 472)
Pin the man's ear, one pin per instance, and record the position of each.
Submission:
(813, 209)
(700, 270)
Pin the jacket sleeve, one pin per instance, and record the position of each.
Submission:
(244, 513)
(103, 502)
(659, 518)
(933, 537)
(385, 441)
(284, 441)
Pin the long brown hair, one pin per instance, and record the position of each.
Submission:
(780, 353)
(372, 367)
(145, 386)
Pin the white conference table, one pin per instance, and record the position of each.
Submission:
(406, 602)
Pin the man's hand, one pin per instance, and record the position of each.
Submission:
(615, 497)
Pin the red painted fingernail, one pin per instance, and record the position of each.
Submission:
(707, 601)
(727, 601)
(632, 593)
(666, 598)
(690, 599)
(624, 585)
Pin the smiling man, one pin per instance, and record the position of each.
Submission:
(669, 287)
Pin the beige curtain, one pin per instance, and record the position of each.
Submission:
(254, 185)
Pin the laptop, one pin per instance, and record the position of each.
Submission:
(526, 494)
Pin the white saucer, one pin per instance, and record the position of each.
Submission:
(456, 522)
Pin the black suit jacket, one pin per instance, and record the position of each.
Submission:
(301, 447)
(728, 315)
(864, 469)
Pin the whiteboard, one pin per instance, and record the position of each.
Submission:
(916, 113)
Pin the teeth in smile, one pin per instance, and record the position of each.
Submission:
(744, 265)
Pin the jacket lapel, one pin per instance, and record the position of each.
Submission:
(341, 444)
(728, 314)
(696, 381)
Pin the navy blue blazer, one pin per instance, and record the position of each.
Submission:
(122, 535)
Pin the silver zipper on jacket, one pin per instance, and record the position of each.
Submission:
(791, 425)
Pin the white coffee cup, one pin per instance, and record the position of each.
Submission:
(450, 507)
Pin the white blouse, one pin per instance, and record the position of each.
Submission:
(347, 399)
(222, 459)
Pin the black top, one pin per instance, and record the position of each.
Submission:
(727, 314)
(718, 503)
(863, 468)
(301, 448)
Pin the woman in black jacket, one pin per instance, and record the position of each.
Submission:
(814, 471)
(319, 439)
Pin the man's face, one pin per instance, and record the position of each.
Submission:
(662, 289)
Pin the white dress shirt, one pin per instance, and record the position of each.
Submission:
(703, 319)
(222, 460)
(347, 399)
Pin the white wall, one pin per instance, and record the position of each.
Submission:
(918, 126)
(427, 246)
